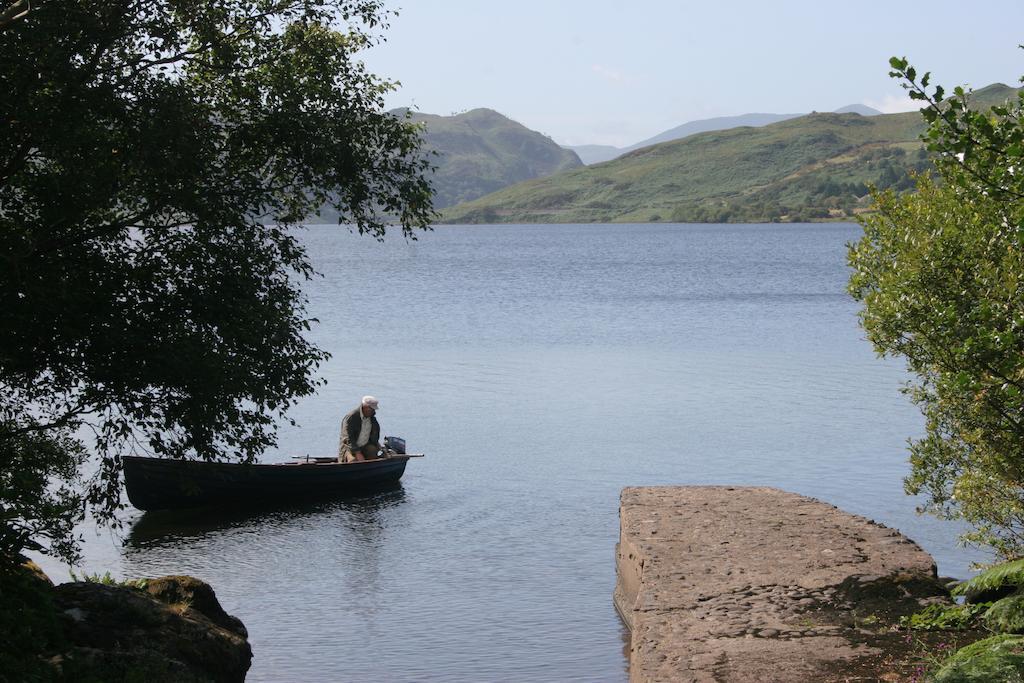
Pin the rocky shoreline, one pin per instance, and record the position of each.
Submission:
(167, 629)
(756, 584)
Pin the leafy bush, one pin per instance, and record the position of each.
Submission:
(40, 499)
(939, 273)
(998, 576)
(1006, 615)
(106, 579)
(944, 617)
(999, 658)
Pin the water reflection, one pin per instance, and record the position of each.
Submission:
(362, 515)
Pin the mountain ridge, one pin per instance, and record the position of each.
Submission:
(480, 151)
(814, 167)
(595, 154)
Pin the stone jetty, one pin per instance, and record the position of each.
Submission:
(742, 584)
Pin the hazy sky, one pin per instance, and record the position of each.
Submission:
(603, 72)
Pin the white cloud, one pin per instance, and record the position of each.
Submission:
(609, 73)
(892, 104)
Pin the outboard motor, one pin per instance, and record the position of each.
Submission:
(394, 445)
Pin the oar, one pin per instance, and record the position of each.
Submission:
(328, 458)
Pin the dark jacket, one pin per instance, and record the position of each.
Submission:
(351, 425)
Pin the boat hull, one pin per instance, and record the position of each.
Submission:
(162, 484)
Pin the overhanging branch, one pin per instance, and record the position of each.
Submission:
(17, 10)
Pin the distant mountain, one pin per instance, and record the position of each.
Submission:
(705, 125)
(813, 167)
(862, 109)
(595, 154)
(481, 151)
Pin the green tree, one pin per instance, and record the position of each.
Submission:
(155, 159)
(888, 177)
(941, 277)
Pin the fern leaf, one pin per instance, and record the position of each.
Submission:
(1007, 573)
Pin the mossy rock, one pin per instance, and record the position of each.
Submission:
(137, 637)
(186, 592)
(1006, 615)
(88, 665)
(999, 658)
(29, 623)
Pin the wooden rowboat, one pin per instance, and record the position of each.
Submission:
(163, 484)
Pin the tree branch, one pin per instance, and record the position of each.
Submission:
(18, 10)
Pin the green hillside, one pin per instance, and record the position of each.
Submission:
(481, 151)
(813, 167)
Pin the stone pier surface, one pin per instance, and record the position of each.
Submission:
(741, 584)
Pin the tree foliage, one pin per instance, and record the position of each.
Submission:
(941, 276)
(155, 158)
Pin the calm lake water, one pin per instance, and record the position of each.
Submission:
(542, 369)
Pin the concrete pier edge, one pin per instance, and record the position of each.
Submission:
(730, 583)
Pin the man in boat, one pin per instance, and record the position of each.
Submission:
(360, 433)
